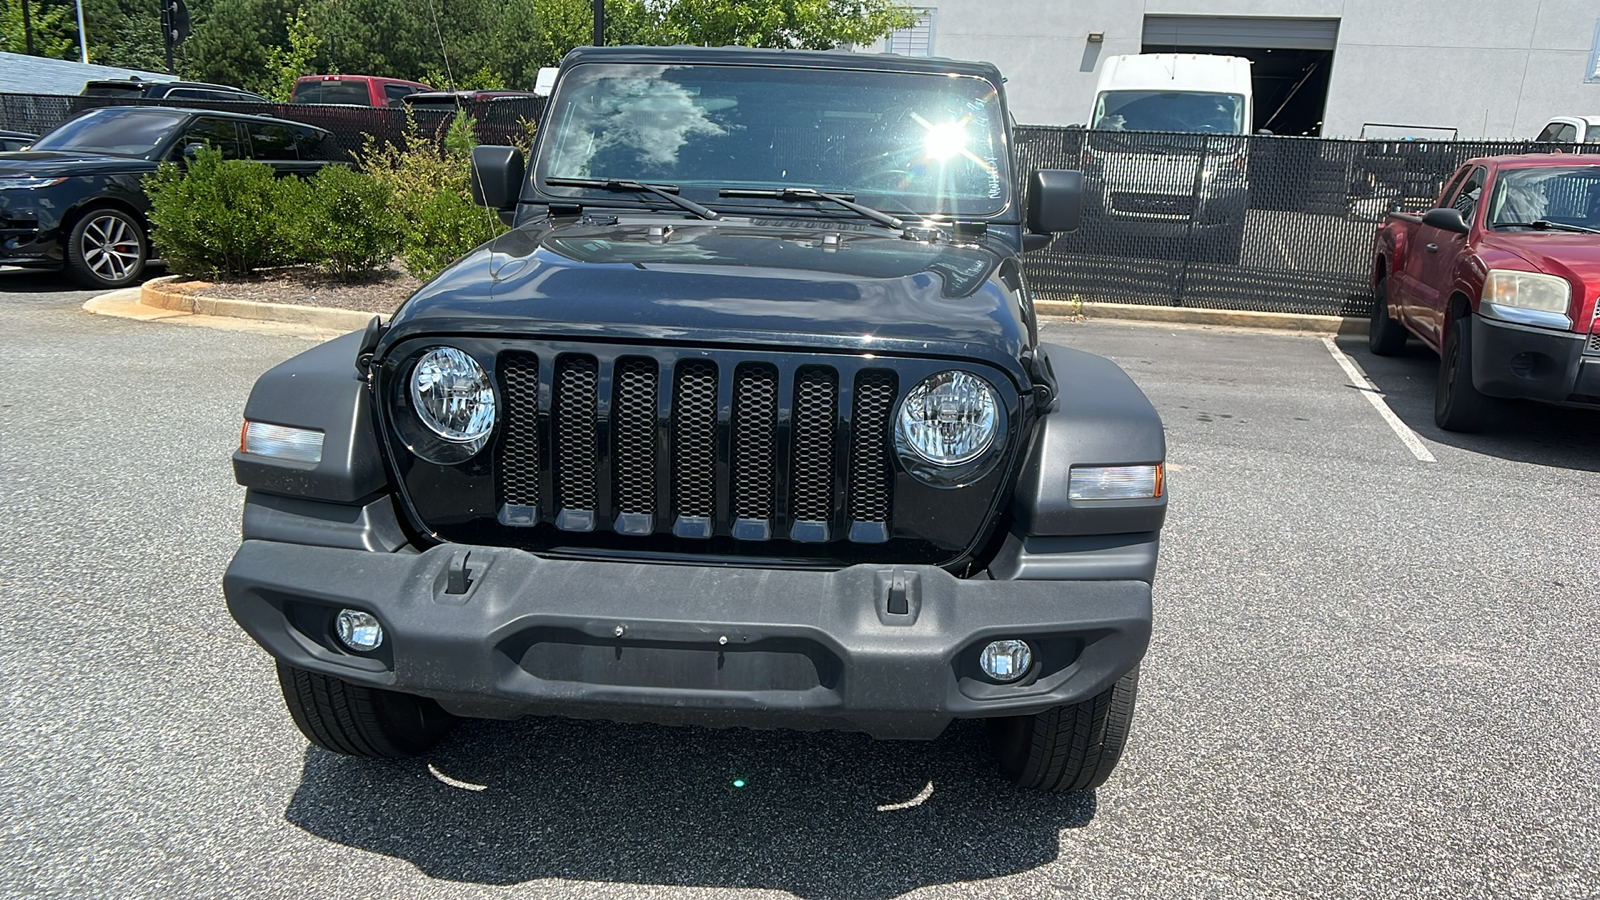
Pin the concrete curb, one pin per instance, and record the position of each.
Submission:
(154, 294)
(1183, 315)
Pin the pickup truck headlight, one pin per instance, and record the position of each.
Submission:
(1528, 298)
(453, 397)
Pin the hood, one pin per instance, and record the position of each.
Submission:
(57, 163)
(1573, 256)
(792, 282)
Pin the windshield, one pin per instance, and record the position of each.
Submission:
(116, 131)
(1566, 195)
(931, 144)
(1187, 111)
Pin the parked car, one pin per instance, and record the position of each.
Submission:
(710, 437)
(1189, 184)
(75, 200)
(135, 87)
(1500, 278)
(354, 90)
(1571, 130)
(15, 140)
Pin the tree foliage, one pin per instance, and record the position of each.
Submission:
(55, 29)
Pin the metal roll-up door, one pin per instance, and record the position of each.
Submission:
(1239, 31)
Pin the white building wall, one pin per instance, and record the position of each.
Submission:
(1488, 68)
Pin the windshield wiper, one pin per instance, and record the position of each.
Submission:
(668, 192)
(1546, 225)
(803, 194)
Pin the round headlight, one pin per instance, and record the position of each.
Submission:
(452, 396)
(949, 418)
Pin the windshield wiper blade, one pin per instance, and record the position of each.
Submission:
(1546, 225)
(666, 192)
(802, 194)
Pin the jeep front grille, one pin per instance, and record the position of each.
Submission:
(743, 448)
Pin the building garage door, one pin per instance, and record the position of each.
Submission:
(1239, 31)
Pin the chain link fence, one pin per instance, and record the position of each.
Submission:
(1257, 223)
(503, 120)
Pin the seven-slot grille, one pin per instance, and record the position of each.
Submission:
(697, 447)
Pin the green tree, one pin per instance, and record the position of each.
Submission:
(55, 29)
(230, 45)
(811, 24)
(288, 65)
(127, 33)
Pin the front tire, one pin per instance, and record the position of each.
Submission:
(1457, 404)
(1067, 748)
(356, 720)
(107, 248)
(1385, 336)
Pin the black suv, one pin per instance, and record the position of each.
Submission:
(138, 89)
(75, 200)
(745, 422)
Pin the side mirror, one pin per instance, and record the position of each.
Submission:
(496, 176)
(1055, 201)
(1264, 131)
(1445, 219)
(192, 151)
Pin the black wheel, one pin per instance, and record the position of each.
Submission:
(1457, 404)
(360, 721)
(1068, 748)
(107, 249)
(1385, 336)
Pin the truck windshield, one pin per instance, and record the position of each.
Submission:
(922, 143)
(1187, 111)
(117, 131)
(1559, 195)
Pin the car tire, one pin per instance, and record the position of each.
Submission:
(1067, 748)
(356, 720)
(1385, 336)
(107, 248)
(1457, 404)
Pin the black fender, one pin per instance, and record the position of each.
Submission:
(1099, 418)
(318, 389)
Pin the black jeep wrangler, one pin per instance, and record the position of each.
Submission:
(745, 422)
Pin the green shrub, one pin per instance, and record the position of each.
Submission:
(430, 185)
(346, 225)
(221, 218)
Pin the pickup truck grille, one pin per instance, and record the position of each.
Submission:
(620, 430)
(1593, 347)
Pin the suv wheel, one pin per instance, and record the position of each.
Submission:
(1385, 336)
(107, 249)
(360, 721)
(1457, 404)
(1067, 748)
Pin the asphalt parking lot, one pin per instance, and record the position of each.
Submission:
(1372, 675)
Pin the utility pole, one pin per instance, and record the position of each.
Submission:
(83, 37)
(27, 27)
(599, 22)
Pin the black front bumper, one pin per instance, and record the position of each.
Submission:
(1521, 361)
(689, 645)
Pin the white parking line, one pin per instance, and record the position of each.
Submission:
(1370, 390)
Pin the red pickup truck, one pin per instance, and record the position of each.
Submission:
(1501, 279)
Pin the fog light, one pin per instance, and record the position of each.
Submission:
(358, 630)
(1006, 660)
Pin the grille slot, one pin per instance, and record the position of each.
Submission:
(1594, 343)
(816, 405)
(633, 414)
(519, 468)
(576, 392)
(694, 443)
(755, 423)
(869, 446)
